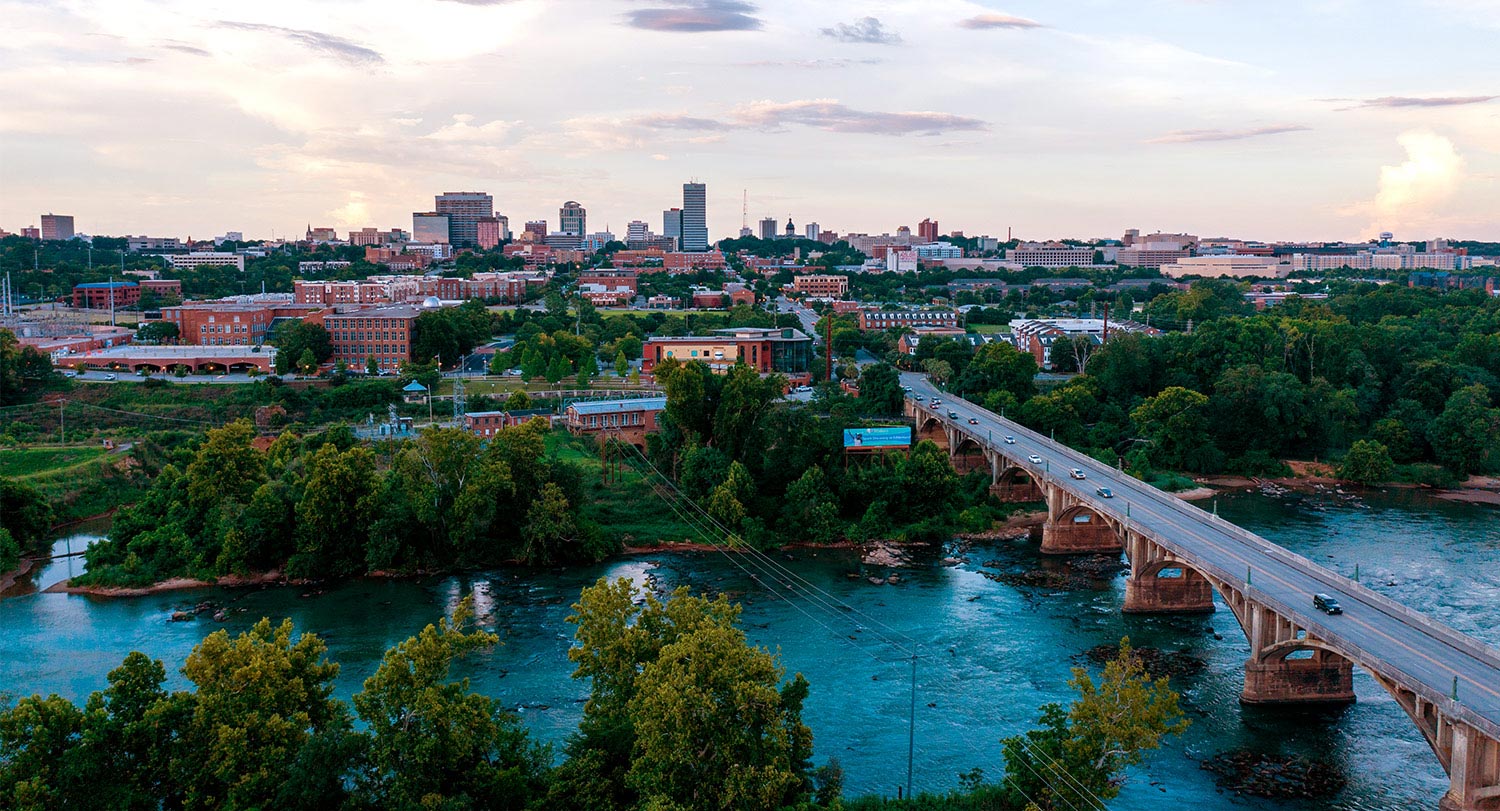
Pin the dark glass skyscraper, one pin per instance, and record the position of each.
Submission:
(694, 218)
(464, 209)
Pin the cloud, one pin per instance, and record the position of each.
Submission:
(984, 21)
(696, 16)
(1421, 101)
(670, 121)
(830, 115)
(328, 44)
(480, 2)
(1202, 136)
(1409, 191)
(187, 49)
(811, 64)
(866, 30)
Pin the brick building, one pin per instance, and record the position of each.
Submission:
(97, 295)
(679, 262)
(888, 319)
(383, 334)
(489, 423)
(787, 351)
(821, 285)
(228, 323)
(627, 420)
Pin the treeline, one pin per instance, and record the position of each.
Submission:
(26, 517)
(325, 507)
(683, 714)
(771, 474)
(1410, 376)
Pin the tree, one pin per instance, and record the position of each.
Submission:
(260, 699)
(622, 364)
(998, 366)
(588, 369)
(1176, 427)
(36, 736)
(454, 489)
(1463, 435)
(307, 363)
(433, 743)
(10, 551)
(810, 510)
(518, 401)
(553, 534)
(157, 332)
(226, 467)
(1107, 729)
(294, 339)
(880, 390)
(557, 370)
(338, 496)
(1367, 462)
(372, 366)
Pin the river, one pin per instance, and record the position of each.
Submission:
(991, 653)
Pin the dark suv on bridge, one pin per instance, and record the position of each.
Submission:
(1327, 604)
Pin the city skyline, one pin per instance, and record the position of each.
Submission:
(1054, 122)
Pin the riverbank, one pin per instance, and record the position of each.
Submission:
(172, 584)
(1475, 490)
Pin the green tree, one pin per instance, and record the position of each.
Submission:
(338, 497)
(1108, 728)
(36, 737)
(226, 466)
(880, 390)
(293, 339)
(1463, 435)
(157, 332)
(553, 533)
(307, 363)
(518, 401)
(1176, 426)
(622, 364)
(10, 551)
(261, 698)
(557, 370)
(433, 743)
(454, 488)
(810, 510)
(1367, 462)
(372, 366)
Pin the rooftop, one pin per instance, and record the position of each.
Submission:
(618, 406)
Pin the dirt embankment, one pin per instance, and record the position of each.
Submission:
(174, 584)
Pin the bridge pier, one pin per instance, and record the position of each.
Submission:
(1473, 769)
(1072, 528)
(1161, 584)
(1325, 678)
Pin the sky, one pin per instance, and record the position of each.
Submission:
(1257, 119)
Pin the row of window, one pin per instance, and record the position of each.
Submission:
(366, 350)
(344, 335)
(615, 420)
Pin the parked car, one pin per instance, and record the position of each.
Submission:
(111, 377)
(1010, 440)
(1104, 492)
(1077, 474)
(973, 421)
(1034, 459)
(1327, 604)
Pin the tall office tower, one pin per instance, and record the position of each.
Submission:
(464, 208)
(927, 230)
(813, 230)
(487, 232)
(57, 226)
(504, 227)
(768, 228)
(573, 219)
(671, 226)
(636, 231)
(694, 237)
(430, 227)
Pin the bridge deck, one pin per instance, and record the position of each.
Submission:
(1377, 633)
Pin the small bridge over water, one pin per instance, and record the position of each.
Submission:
(1179, 555)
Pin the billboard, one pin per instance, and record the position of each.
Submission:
(898, 436)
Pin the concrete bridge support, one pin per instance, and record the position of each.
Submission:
(1161, 584)
(1287, 665)
(1072, 528)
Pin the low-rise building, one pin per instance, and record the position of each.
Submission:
(786, 351)
(909, 341)
(198, 259)
(891, 319)
(490, 423)
(1232, 265)
(1036, 336)
(626, 420)
(98, 295)
(232, 323)
(680, 262)
(731, 295)
(1050, 255)
(821, 285)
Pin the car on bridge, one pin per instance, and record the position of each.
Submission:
(1077, 474)
(934, 405)
(973, 421)
(1327, 604)
(1010, 440)
(952, 415)
(1104, 492)
(1034, 459)
(920, 398)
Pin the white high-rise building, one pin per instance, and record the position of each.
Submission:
(813, 231)
(637, 231)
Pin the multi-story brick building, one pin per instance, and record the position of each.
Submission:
(97, 295)
(821, 285)
(490, 423)
(681, 262)
(382, 333)
(731, 295)
(787, 351)
(232, 323)
(890, 319)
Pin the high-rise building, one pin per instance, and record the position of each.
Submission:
(694, 237)
(464, 208)
(636, 231)
(573, 219)
(536, 231)
(927, 230)
(430, 227)
(57, 226)
(671, 224)
(813, 231)
(487, 232)
(768, 228)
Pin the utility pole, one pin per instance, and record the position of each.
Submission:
(911, 726)
(1105, 339)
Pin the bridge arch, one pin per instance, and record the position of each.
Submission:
(933, 429)
(1015, 483)
(968, 454)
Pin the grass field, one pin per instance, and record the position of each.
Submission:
(990, 329)
(628, 510)
(23, 463)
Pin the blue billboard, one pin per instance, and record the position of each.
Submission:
(898, 436)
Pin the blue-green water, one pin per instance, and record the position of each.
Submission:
(991, 652)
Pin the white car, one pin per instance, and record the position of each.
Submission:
(1034, 459)
(803, 388)
(1010, 440)
(111, 377)
(1077, 474)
